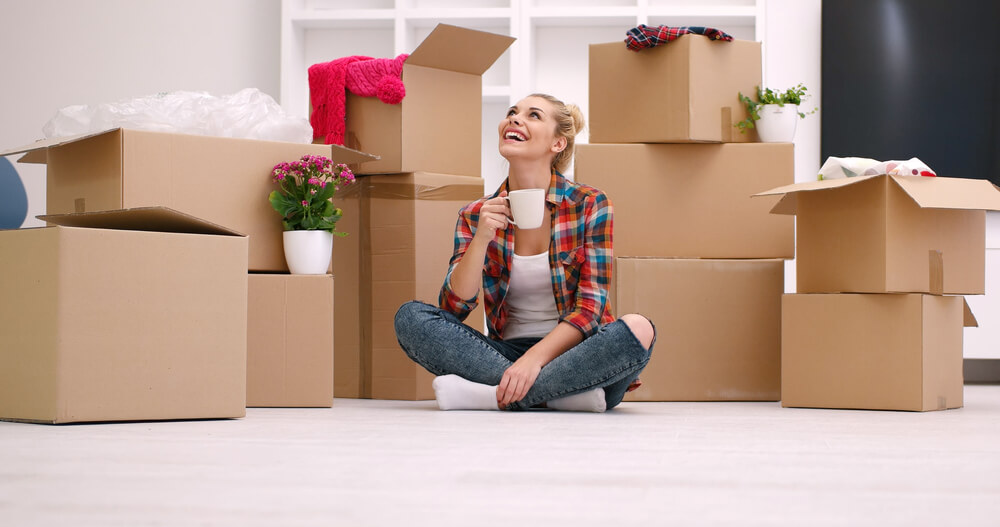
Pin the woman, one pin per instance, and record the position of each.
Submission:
(552, 339)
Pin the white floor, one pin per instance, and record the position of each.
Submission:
(402, 463)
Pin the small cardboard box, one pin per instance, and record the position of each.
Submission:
(692, 201)
(437, 127)
(401, 237)
(219, 179)
(121, 316)
(680, 92)
(718, 327)
(872, 351)
(890, 234)
(290, 340)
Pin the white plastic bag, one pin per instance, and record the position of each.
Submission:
(247, 114)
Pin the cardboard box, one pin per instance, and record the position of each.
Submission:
(219, 179)
(130, 315)
(680, 92)
(437, 127)
(888, 234)
(692, 201)
(401, 236)
(872, 351)
(718, 325)
(290, 340)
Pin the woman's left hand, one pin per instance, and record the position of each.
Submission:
(517, 380)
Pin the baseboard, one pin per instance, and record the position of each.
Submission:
(981, 371)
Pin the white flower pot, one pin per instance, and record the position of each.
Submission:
(777, 123)
(308, 252)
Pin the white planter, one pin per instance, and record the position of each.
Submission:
(777, 123)
(308, 252)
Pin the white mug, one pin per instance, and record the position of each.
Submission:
(527, 207)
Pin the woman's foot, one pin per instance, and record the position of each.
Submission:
(588, 401)
(456, 393)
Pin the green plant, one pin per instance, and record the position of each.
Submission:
(307, 186)
(768, 96)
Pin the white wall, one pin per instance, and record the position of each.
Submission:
(63, 52)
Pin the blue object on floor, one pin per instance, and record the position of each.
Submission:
(13, 198)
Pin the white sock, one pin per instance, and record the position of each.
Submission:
(588, 401)
(455, 393)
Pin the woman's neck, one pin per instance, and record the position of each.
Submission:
(528, 175)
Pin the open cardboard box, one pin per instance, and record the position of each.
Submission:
(220, 179)
(873, 351)
(290, 340)
(718, 327)
(887, 234)
(437, 127)
(123, 315)
(679, 92)
(401, 237)
(692, 201)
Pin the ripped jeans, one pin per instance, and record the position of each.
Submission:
(611, 358)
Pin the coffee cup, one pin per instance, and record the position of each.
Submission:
(527, 207)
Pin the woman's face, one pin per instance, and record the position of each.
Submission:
(528, 132)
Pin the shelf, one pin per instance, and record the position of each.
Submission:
(343, 18)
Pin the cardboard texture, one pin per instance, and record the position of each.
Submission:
(689, 301)
(692, 201)
(129, 168)
(120, 324)
(679, 92)
(401, 235)
(887, 234)
(437, 127)
(290, 340)
(873, 351)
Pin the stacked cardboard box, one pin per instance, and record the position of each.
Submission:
(871, 326)
(401, 215)
(220, 180)
(694, 252)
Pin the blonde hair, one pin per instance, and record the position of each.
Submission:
(569, 122)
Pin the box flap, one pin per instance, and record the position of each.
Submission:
(950, 193)
(350, 156)
(459, 49)
(968, 319)
(788, 206)
(154, 219)
(36, 151)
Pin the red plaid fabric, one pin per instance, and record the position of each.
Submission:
(580, 259)
(644, 36)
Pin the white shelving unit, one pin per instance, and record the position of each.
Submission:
(550, 54)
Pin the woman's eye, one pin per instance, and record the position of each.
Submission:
(510, 112)
(535, 115)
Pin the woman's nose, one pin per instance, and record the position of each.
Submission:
(514, 120)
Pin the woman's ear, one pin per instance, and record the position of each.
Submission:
(559, 145)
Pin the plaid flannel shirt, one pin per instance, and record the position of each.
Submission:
(580, 259)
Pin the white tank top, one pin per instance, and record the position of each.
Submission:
(531, 305)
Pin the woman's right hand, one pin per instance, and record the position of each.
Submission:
(493, 215)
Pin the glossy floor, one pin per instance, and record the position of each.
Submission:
(404, 463)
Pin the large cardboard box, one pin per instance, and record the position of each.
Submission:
(872, 351)
(401, 236)
(683, 91)
(718, 327)
(437, 127)
(888, 234)
(219, 179)
(692, 201)
(290, 340)
(131, 315)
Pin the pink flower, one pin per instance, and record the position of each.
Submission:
(313, 192)
(305, 203)
(313, 181)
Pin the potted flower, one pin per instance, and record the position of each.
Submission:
(307, 214)
(774, 113)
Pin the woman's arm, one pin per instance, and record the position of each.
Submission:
(472, 238)
(521, 375)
